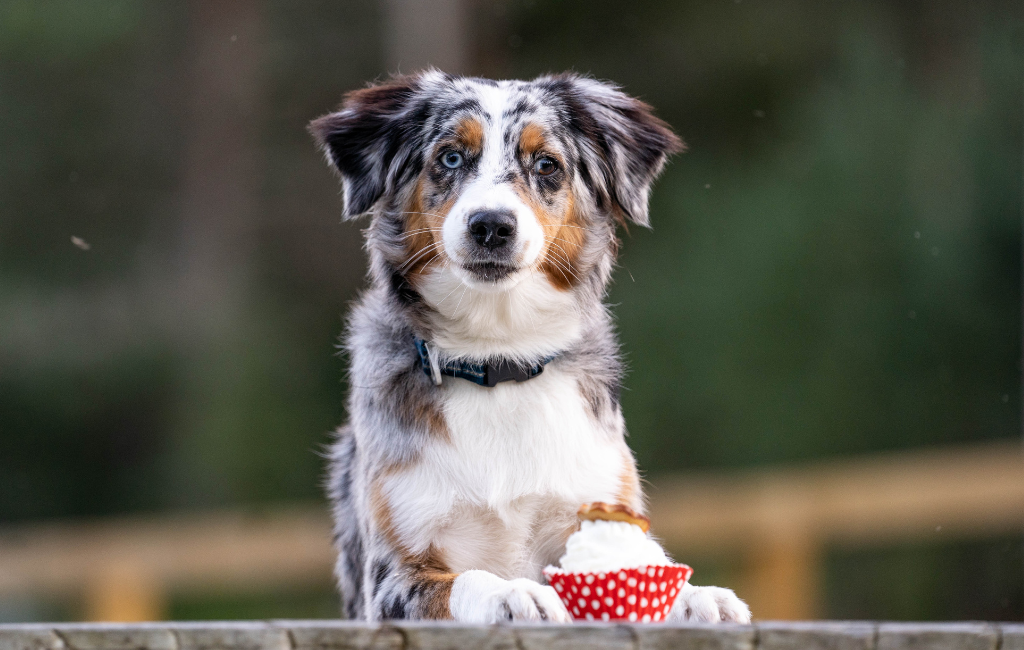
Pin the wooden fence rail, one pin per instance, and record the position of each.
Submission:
(323, 635)
(780, 519)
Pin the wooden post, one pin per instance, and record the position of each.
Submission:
(781, 577)
(124, 594)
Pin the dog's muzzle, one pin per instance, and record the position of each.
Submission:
(492, 237)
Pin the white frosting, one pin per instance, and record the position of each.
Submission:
(609, 546)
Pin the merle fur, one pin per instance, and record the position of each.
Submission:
(378, 143)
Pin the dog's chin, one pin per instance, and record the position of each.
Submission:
(494, 276)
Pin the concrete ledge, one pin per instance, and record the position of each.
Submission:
(343, 635)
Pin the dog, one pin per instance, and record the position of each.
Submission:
(484, 366)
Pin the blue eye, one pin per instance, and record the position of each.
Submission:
(451, 159)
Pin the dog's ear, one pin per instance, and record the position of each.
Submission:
(628, 144)
(372, 141)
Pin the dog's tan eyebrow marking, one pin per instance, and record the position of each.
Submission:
(531, 139)
(470, 133)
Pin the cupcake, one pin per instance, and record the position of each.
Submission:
(612, 571)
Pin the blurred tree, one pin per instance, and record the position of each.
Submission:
(834, 266)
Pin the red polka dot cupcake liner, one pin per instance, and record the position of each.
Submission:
(644, 594)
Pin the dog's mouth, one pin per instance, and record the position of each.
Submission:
(489, 271)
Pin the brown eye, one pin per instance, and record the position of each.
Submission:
(544, 166)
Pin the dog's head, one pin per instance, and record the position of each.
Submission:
(492, 181)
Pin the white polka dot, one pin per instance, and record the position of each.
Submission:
(622, 592)
(650, 572)
(643, 586)
(582, 602)
(604, 616)
(620, 610)
(657, 616)
(661, 572)
(598, 590)
(590, 616)
(631, 600)
(622, 575)
(576, 611)
(646, 618)
(600, 576)
(585, 591)
(663, 585)
(577, 580)
(631, 582)
(558, 587)
(608, 601)
(611, 584)
(655, 602)
(595, 604)
(590, 580)
(643, 602)
(632, 616)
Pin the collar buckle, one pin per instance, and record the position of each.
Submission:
(506, 370)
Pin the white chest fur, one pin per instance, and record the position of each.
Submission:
(502, 492)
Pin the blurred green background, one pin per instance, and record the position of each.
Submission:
(834, 267)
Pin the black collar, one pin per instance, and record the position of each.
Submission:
(488, 373)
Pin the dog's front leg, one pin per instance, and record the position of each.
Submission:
(416, 589)
(403, 587)
(482, 597)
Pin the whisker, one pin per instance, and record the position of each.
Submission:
(423, 251)
(562, 265)
(529, 312)
(414, 256)
(562, 270)
(508, 294)
(568, 262)
(450, 293)
(434, 251)
(552, 237)
(429, 214)
(558, 265)
(464, 287)
(431, 261)
(411, 233)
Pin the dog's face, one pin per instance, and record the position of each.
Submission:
(494, 181)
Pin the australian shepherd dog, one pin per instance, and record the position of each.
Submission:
(485, 370)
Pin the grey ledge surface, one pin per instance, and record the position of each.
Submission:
(343, 635)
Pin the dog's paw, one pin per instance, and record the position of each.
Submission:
(482, 597)
(709, 605)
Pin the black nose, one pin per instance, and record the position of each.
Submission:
(492, 228)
